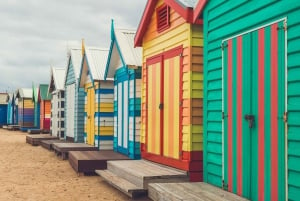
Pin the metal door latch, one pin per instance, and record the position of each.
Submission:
(250, 119)
(160, 106)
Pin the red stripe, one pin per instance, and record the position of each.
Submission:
(261, 114)
(239, 115)
(274, 113)
(229, 106)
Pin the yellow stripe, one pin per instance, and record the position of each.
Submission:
(176, 106)
(157, 118)
(167, 124)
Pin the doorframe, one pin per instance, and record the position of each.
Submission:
(284, 20)
(159, 58)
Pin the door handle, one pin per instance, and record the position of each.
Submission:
(250, 119)
(160, 106)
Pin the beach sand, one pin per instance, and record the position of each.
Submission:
(34, 173)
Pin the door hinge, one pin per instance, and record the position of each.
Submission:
(224, 115)
(223, 46)
(285, 117)
(224, 185)
(181, 55)
(180, 153)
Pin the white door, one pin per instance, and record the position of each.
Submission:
(70, 92)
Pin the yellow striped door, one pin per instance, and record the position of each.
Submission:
(90, 116)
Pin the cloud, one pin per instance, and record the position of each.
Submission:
(35, 34)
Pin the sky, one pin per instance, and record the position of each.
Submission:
(35, 34)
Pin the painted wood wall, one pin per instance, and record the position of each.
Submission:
(57, 125)
(26, 113)
(189, 39)
(99, 129)
(225, 19)
(45, 114)
(127, 112)
(74, 107)
(3, 114)
(10, 110)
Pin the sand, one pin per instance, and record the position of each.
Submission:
(34, 173)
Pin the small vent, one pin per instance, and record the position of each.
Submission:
(163, 18)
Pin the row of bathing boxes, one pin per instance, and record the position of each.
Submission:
(211, 88)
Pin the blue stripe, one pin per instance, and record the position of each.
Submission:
(104, 114)
(107, 138)
(134, 113)
(104, 91)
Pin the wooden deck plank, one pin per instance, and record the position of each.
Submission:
(34, 131)
(141, 172)
(89, 161)
(62, 149)
(121, 184)
(36, 138)
(47, 144)
(190, 191)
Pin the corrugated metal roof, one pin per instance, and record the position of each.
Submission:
(96, 59)
(59, 77)
(188, 3)
(76, 57)
(43, 91)
(3, 98)
(35, 94)
(24, 93)
(125, 40)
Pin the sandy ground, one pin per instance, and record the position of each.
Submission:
(34, 173)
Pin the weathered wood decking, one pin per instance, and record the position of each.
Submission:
(89, 161)
(132, 177)
(190, 191)
(13, 127)
(37, 138)
(47, 144)
(62, 149)
(34, 131)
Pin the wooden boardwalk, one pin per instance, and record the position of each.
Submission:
(190, 191)
(47, 144)
(62, 149)
(89, 161)
(37, 138)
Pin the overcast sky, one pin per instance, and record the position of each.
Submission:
(35, 34)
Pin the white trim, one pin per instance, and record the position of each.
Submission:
(285, 109)
(254, 29)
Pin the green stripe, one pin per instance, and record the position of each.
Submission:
(267, 121)
(234, 118)
(246, 66)
(281, 105)
(225, 101)
(254, 108)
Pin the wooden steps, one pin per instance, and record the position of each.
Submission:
(140, 173)
(34, 131)
(62, 149)
(89, 161)
(13, 127)
(122, 185)
(47, 144)
(190, 191)
(35, 139)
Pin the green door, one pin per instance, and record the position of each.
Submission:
(254, 113)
